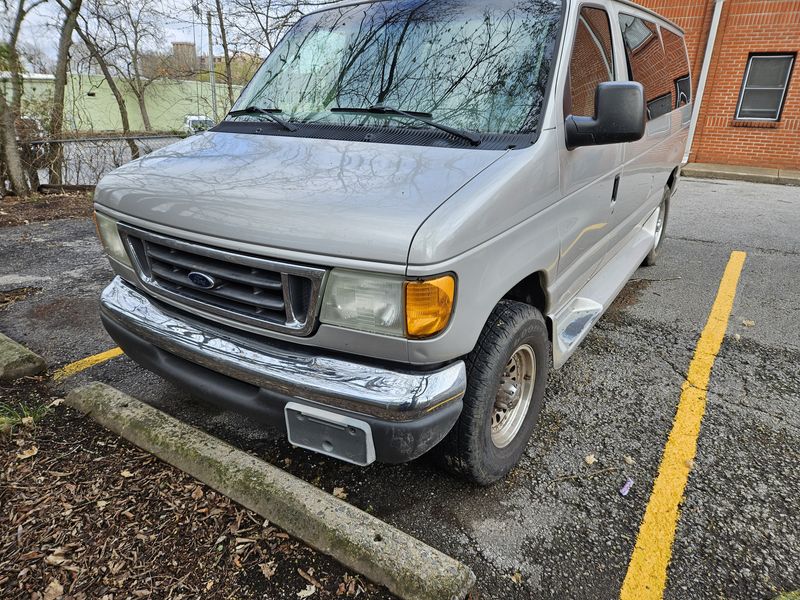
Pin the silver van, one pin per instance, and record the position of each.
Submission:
(415, 209)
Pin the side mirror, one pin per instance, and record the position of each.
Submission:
(620, 116)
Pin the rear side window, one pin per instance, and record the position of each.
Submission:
(647, 63)
(678, 65)
(592, 60)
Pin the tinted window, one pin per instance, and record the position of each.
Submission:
(475, 64)
(592, 60)
(764, 87)
(678, 66)
(647, 63)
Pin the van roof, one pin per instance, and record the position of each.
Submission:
(644, 9)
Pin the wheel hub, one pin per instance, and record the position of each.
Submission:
(513, 396)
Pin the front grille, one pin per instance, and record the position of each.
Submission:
(243, 288)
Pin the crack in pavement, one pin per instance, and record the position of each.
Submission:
(757, 249)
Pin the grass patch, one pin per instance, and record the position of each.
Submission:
(21, 415)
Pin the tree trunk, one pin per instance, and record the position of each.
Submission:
(57, 110)
(123, 111)
(9, 111)
(13, 160)
(143, 109)
(225, 53)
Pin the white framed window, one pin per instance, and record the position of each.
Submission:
(764, 87)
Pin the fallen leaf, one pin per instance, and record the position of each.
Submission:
(340, 493)
(56, 402)
(57, 557)
(309, 577)
(268, 569)
(517, 578)
(310, 589)
(32, 451)
(101, 504)
(197, 493)
(27, 421)
(126, 474)
(629, 460)
(748, 323)
(590, 459)
(53, 591)
(209, 585)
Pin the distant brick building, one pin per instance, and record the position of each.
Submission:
(750, 113)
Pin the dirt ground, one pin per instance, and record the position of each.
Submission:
(44, 207)
(85, 515)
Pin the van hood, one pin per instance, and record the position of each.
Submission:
(330, 197)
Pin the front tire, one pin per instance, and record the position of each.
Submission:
(506, 378)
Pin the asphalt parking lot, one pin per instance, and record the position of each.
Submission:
(557, 527)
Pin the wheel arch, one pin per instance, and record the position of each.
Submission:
(532, 290)
(673, 178)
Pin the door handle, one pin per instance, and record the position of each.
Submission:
(615, 190)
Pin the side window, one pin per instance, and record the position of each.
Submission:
(647, 63)
(678, 65)
(592, 60)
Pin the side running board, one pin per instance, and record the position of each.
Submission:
(573, 322)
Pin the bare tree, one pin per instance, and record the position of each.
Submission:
(128, 32)
(13, 16)
(89, 38)
(225, 52)
(34, 58)
(70, 18)
(258, 25)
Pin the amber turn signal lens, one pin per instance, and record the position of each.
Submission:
(428, 305)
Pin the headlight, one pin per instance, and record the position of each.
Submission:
(366, 301)
(109, 236)
(388, 304)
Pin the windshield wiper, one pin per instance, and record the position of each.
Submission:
(267, 112)
(427, 118)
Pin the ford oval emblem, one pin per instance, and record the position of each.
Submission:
(202, 280)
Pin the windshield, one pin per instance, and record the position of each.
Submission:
(478, 65)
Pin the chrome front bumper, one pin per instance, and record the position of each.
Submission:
(293, 372)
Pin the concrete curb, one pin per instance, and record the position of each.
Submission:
(17, 361)
(406, 566)
(737, 173)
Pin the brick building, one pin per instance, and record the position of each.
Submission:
(750, 110)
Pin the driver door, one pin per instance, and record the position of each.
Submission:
(590, 174)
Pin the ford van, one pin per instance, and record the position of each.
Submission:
(414, 211)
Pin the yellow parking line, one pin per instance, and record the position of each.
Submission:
(647, 571)
(84, 363)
